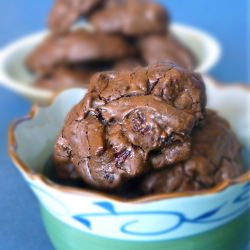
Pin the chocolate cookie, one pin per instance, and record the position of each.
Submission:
(215, 157)
(130, 122)
(64, 77)
(65, 12)
(75, 47)
(131, 18)
(69, 76)
(128, 64)
(166, 47)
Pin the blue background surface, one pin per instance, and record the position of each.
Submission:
(20, 223)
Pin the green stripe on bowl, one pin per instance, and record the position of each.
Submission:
(231, 236)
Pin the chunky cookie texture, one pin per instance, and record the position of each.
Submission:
(215, 157)
(155, 48)
(77, 47)
(131, 122)
(131, 18)
(65, 12)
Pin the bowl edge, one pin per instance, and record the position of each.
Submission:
(12, 145)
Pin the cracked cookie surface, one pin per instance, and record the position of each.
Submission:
(130, 122)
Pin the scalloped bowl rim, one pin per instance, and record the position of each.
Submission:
(85, 192)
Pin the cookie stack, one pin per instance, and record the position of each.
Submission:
(121, 35)
(150, 127)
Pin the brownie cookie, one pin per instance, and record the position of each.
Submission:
(65, 12)
(166, 47)
(77, 46)
(64, 77)
(131, 121)
(215, 157)
(69, 76)
(127, 64)
(131, 18)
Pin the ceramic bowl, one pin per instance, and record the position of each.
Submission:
(14, 74)
(79, 218)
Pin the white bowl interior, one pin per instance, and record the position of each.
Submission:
(15, 66)
(13, 72)
(12, 59)
(43, 130)
(205, 48)
(231, 102)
